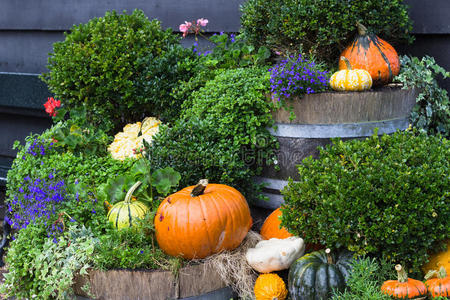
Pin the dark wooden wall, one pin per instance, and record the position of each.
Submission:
(28, 28)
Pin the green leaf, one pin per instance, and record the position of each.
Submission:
(164, 179)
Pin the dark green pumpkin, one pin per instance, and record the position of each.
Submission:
(314, 275)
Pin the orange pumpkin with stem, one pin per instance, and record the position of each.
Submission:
(370, 53)
(202, 220)
(440, 286)
(404, 287)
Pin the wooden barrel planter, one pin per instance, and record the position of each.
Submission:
(198, 281)
(320, 117)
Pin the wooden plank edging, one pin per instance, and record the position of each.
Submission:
(193, 280)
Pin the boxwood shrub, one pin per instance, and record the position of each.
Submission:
(385, 196)
(120, 67)
(321, 27)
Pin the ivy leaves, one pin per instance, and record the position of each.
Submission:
(432, 110)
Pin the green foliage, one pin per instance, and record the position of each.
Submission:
(222, 135)
(119, 68)
(82, 174)
(76, 139)
(364, 281)
(229, 52)
(42, 269)
(90, 170)
(232, 52)
(383, 195)
(432, 110)
(163, 180)
(71, 132)
(194, 149)
(321, 27)
(131, 248)
(235, 101)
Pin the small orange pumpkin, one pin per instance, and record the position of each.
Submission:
(271, 227)
(369, 52)
(202, 220)
(404, 287)
(270, 286)
(440, 286)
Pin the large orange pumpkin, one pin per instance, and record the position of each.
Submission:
(271, 227)
(369, 52)
(404, 287)
(202, 220)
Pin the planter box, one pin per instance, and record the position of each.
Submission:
(198, 281)
(320, 117)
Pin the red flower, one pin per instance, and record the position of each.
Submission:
(50, 106)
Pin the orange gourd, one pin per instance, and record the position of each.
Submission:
(270, 286)
(271, 227)
(202, 220)
(370, 53)
(440, 286)
(404, 287)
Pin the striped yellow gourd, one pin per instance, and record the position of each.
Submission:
(351, 80)
(125, 213)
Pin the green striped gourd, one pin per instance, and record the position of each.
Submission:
(125, 213)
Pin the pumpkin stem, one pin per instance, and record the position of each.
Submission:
(362, 30)
(329, 257)
(199, 188)
(131, 191)
(442, 273)
(401, 273)
(347, 62)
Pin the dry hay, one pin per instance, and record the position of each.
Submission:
(234, 269)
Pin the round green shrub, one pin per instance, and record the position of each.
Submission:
(120, 68)
(222, 134)
(321, 27)
(386, 196)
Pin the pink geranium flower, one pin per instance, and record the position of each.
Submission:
(51, 105)
(202, 22)
(184, 28)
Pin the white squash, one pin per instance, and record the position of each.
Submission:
(275, 254)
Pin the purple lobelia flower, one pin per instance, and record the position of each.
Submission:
(297, 77)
